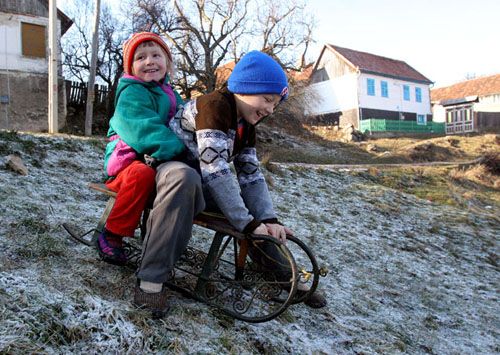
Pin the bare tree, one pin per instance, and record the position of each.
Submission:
(200, 33)
(204, 34)
(285, 29)
(77, 44)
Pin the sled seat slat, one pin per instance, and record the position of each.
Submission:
(102, 188)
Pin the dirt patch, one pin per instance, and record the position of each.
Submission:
(447, 148)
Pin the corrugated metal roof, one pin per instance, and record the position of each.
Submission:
(371, 63)
(483, 86)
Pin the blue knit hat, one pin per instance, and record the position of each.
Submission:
(258, 73)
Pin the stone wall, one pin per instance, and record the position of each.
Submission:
(349, 117)
(24, 102)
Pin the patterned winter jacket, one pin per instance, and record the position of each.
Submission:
(213, 134)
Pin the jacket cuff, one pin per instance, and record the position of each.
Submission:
(271, 220)
(251, 226)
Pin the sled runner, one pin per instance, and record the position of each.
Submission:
(225, 276)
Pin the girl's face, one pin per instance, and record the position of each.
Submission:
(150, 62)
(253, 108)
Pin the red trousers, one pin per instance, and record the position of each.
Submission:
(133, 185)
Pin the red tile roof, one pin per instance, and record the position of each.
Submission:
(303, 75)
(486, 85)
(371, 63)
(222, 73)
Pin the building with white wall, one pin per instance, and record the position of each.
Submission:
(24, 64)
(469, 106)
(352, 86)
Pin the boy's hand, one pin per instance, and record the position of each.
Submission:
(261, 229)
(274, 230)
(278, 231)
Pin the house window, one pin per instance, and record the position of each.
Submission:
(418, 94)
(370, 84)
(449, 117)
(468, 116)
(383, 89)
(421, 119)
(406, 92)
(33, 40)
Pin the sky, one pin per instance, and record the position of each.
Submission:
(444, 40)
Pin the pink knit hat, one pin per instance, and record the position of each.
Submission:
(133, 42)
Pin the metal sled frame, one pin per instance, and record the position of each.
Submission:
(225, 277)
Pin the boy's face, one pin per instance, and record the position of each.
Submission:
(150, 62)
(253, 108)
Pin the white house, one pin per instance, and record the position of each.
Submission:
(469, 106)
(353, 86)
(24, 64)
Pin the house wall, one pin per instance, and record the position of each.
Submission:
(334, 95)
(394, 103)
(11, 57)
(487, 112)
(330, 66)
(27, 106)
(488, 121)
(333, 87)
(490, 103)
(28, 7)
(438, 113)
(23, 79)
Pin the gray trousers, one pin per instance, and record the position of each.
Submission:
(179, 198)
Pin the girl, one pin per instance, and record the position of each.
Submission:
(139, 137)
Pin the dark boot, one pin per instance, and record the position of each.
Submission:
(110, 248)
(157, 302)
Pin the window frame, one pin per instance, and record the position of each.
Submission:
(406, 92)
(384, 88)
(33, 40)
(418, 94)
(370, 86)
(421, 121)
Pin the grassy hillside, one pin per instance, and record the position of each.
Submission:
(407, 275)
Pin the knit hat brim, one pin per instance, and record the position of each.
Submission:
(130, 46)
(258, 73)
(256, 87)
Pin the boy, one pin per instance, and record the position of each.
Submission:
(219, 128)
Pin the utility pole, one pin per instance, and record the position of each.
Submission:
(93, 63)
(53, 53)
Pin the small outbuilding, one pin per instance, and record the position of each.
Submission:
(469, 106)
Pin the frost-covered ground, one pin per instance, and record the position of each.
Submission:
(406, 275)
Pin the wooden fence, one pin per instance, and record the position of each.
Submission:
(76, 93)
